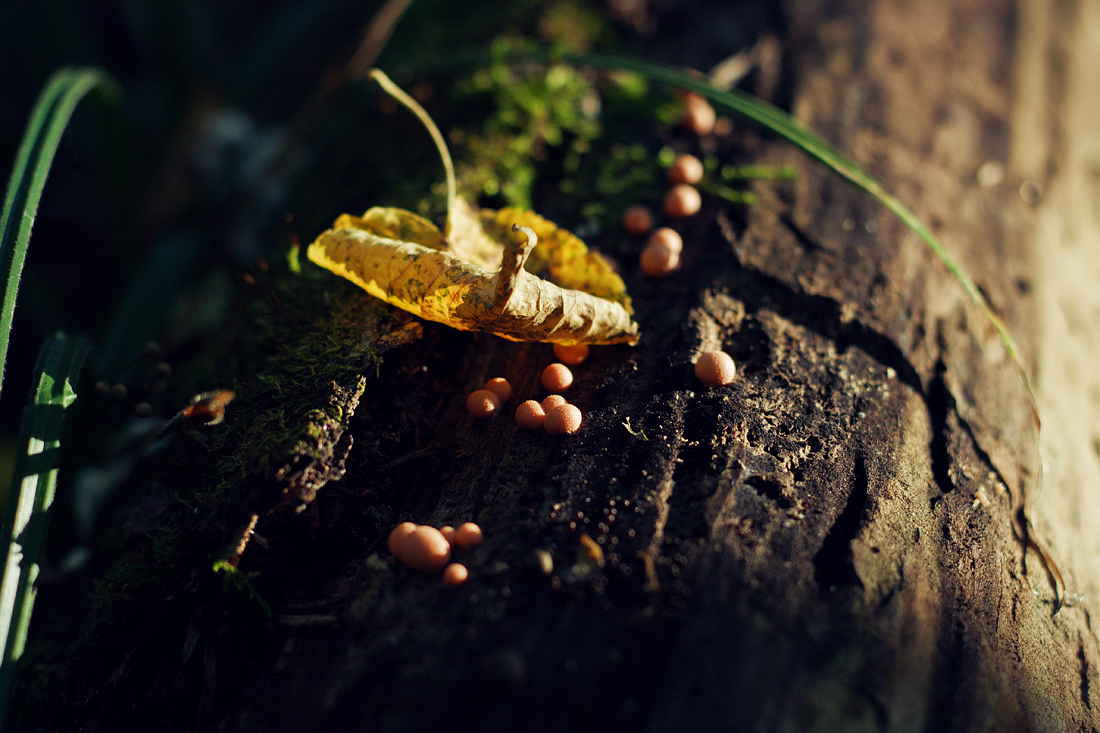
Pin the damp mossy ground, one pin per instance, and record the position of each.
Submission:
(299, 347)
(308, 351)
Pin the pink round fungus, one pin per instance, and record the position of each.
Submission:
(668, 238)
(398, 535)
(530, 415)
(426, 550)
(637, 220)
(468, 536)
(557, 377)
(455, 574)
(572, 355)
(715, 368)
(563, 420)
(658, 261)
(699, 117)
(500, 387)
(682, 201)
(482, 403)
(554, 400)
(685, 169)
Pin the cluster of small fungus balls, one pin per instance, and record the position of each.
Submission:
(661, 256)
(428, 549)
(662, 251)
(553, 414)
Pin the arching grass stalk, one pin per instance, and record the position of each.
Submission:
(780, 123)
(48, 121)
(56, 373)
(32, 493)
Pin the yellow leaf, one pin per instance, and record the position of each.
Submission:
(475, 280)
(404, 226)
(467, 239)
(561, 256)
(440, 286)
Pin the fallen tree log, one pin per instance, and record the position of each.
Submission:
(827, 543)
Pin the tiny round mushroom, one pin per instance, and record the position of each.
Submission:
(686, 168)
(669, 238)
(571, 355)
(563, 420)
(637, 220)
(699, 117)
(715, 368)
(658, 260)
(425, 549)
(500, 387)
(530, 415)
(398, 535)
(468, 536)
(557, 377)
(482, 403)
(552, 401)
(448, 533)
(682, 201)
(455, 574)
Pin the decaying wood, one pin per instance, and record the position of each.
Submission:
(827, 543)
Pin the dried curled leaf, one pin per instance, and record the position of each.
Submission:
(473, 279)
(467, 239)
(404, 226)
(560, 256)
(441, 286)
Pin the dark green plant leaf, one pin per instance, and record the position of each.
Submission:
(48, 120)
(32, 494)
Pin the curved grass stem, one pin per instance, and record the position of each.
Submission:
(413, 106)
(48, 121)
(32, 494)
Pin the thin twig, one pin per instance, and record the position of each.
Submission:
(378, 32)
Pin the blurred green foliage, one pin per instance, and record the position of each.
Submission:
(534, 108)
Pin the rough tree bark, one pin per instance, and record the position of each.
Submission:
(829, 541)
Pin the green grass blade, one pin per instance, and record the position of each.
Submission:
(780, 123)
(32, 494)
(22, 167)
(32, 164)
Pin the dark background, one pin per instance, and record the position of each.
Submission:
(133, 177)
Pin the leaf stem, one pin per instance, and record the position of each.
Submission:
(413, 106)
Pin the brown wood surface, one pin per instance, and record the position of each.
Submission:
(831, 535)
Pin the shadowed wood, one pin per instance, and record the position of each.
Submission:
(825, 544)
